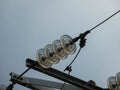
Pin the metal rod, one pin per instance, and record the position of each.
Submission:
(23, 73)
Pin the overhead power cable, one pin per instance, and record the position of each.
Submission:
(82, 43)
(83, 35)
(105, 20)
(82, 39)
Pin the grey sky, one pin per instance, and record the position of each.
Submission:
(27, 25)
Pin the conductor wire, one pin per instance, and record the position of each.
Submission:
(73, 59)
(105, 20)
(83, 35)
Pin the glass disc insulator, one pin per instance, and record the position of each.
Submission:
(59, 51)
(111, 82)
(68, 45)
(117, 76)
(42, 60)
(50, 54)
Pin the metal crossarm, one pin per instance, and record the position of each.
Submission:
(62, 76)
(40, 84)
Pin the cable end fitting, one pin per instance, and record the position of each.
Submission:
(81, 36)
(68, 68)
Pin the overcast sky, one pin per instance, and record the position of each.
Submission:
(28, 25)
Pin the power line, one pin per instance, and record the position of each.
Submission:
(105, 20)
(82, 44)
(67, 68)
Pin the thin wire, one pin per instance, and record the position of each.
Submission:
(80, 47)
(69, 71)
(105, 20)
(68, 67)
(93, 29)
(74, 57)
(77, 52)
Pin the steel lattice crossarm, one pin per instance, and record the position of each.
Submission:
(39, 84)
(62, 76)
